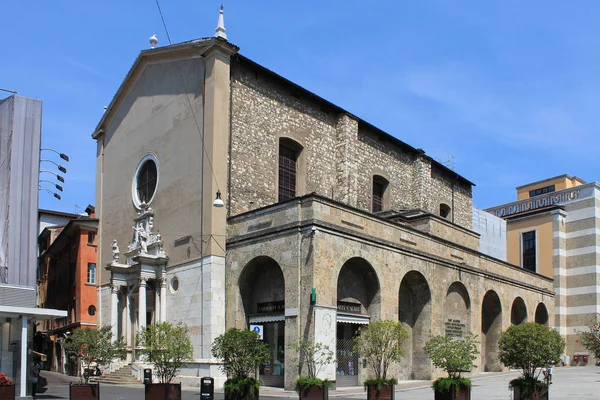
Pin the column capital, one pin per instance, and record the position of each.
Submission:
(143, 281)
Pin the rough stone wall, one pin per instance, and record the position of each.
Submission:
(315, 259)
(339, 158)
(440, 191)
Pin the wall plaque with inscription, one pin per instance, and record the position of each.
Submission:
(455, 328)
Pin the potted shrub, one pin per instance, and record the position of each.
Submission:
(590, 340)
(529, 347)
(92, 346)
(241, 351)
(168, 347)
(454, 355)
(380, 345)
(315, 357)
(7, 388)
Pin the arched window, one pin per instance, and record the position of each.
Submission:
(379, 195)
(289, 153)
(445, 210)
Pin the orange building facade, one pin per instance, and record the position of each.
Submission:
(67, 280)
(554, 229)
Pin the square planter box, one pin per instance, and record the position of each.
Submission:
(314, 393)
(90, 391)
(539, 395)
(7, 392)
(387, 392)
(162, 391)
(464, 393)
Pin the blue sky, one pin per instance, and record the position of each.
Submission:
(509, 89)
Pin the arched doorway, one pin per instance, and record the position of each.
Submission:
(518, 312)
(457, 310)
(262, 288)
(415, 315)
(491, 328)
(541, 314)
(358, 299)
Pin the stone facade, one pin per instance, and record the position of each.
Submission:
(340, 153)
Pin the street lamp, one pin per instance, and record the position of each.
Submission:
(60, 178)
(61, 155)
(60, 167)
(51, 192)
(55, 185)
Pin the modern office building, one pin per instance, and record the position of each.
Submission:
(20, 136)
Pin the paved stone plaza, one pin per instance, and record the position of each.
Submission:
(576, 383)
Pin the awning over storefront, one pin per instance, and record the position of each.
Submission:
(37, 313)
(353, 319)
(266, 318)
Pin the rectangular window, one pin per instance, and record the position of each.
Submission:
(91, 237)
(528, 247)
(91, 273)
(378, 191)
(287, 173)
(544, 190)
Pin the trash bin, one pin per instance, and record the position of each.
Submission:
(207, 388)
(147, 376)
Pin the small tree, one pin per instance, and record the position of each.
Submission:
(315, 357)
(241, 351)
(529, 347)
(168, 347)
(94, 346)
(380, 344)
(590, 339)
(453, 355)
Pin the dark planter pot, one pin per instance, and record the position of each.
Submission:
(228, 396)
(83, 391)
(387, 392)
(464, 393)
(314, 393)
(538, 395)
(7, 392)
(162, 391)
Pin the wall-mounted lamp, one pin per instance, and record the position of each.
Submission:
(58, 187)
(61, 155)
(218, 201)
(60, 167)
(60, 178)
(313, 296)
(52, 193)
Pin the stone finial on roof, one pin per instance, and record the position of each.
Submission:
(153, 41)
(220, 31)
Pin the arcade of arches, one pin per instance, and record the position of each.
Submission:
(270, 278)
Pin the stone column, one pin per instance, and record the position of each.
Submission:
(128, 325)
(114, 311)
(142, 304)
(163, 298)
(156, 301)
(24, 366)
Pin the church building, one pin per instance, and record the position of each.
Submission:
(229, 196)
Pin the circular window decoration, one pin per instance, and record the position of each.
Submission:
(145, 181)
(174, 284)
(92, 310)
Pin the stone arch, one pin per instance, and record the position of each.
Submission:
(358, 300)
(491, 328)
(415, 315)
(541, 314)
(262, 289)
(518, 312)
(457, 310)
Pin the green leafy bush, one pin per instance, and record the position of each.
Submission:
(94, 346)
(380, 382)
(529, 347)
(167, 346)
(315, 357)
(454, 355)
(239, 388)
(380, 345)
(590, 339)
